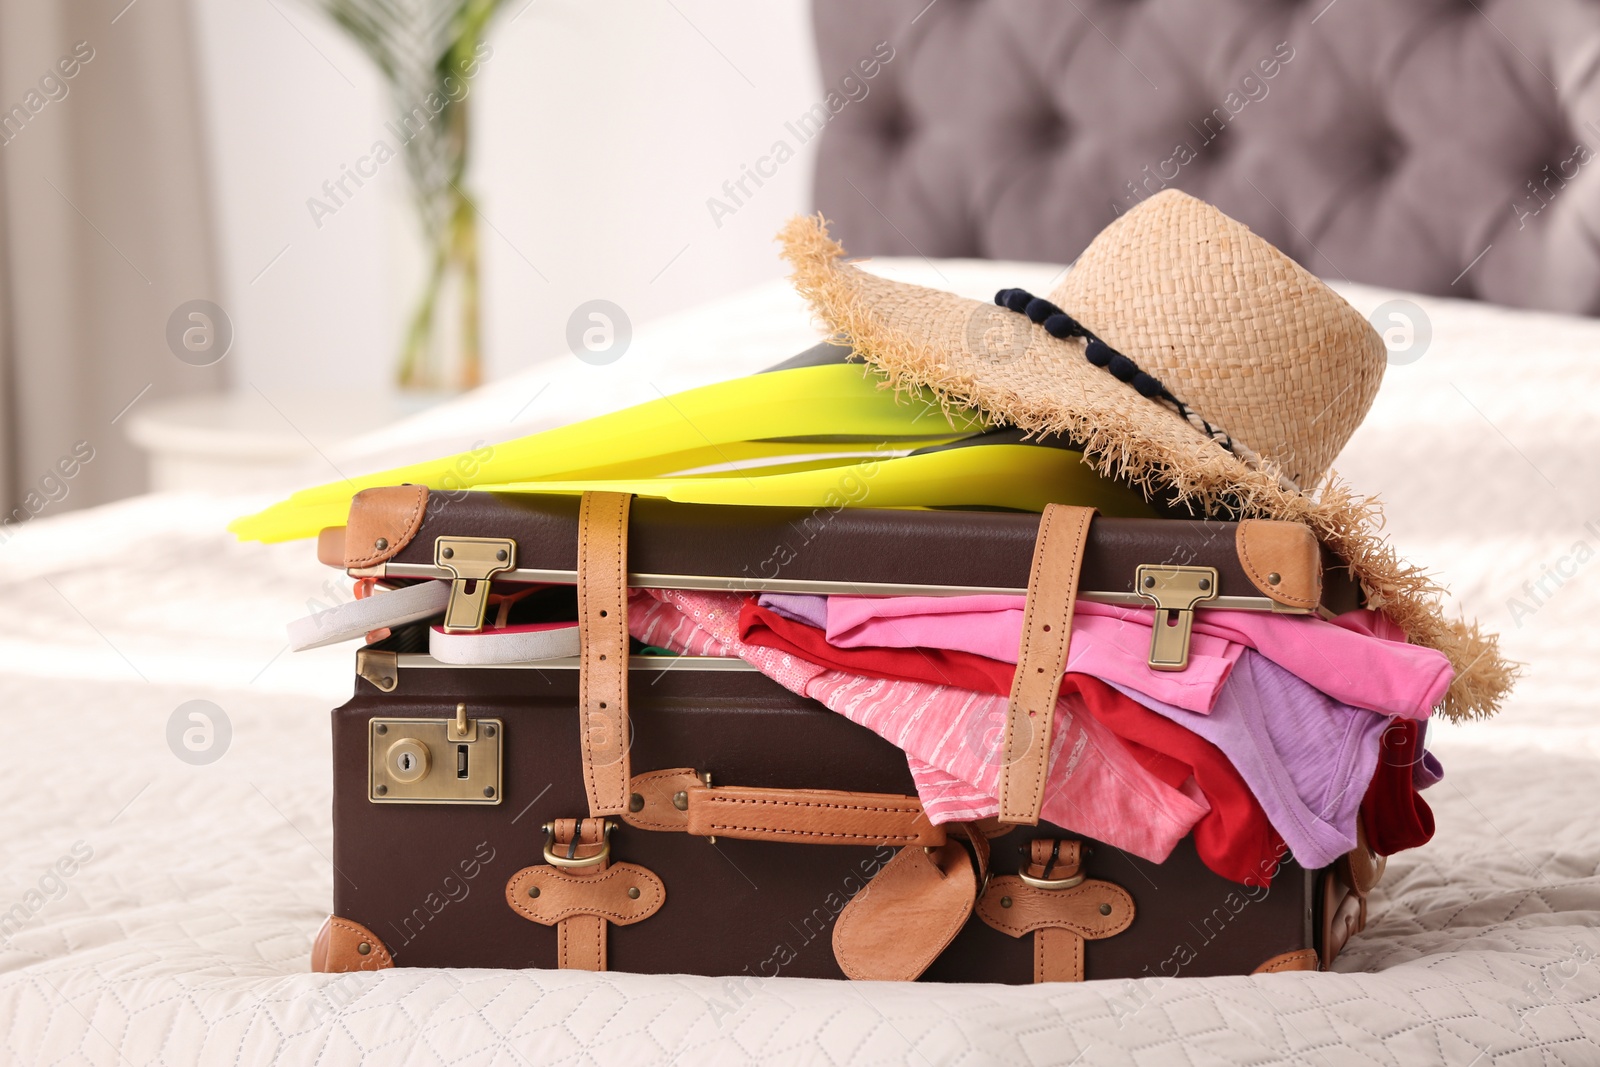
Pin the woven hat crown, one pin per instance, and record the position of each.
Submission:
(1234, 328)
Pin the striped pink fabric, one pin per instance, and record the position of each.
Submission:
(951, 736)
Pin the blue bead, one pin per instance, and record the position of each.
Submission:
(1122, 368)
(1146, 385)
(1060, 326)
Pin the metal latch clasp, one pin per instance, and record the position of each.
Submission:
(1175, 591)
(471, 561)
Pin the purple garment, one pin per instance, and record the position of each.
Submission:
(797, 607)
(1426, 771)
(1307, 758)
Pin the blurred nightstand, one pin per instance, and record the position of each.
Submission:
(232, 442)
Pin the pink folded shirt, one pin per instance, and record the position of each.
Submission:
(1356, 658)
(951, 736)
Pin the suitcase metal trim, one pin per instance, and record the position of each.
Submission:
(531, 575)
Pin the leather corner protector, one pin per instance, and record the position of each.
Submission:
(338, 948)
(1301, 959)
(548, 895)
(382, 522)
(655, 790)
(330, 546)
(1092, 909)
(1288, 551)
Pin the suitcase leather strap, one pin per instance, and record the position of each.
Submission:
(581, 901)
(1054, 902)
(681, 800)
(1041, 660)
(603, 649)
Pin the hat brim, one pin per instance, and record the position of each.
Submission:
(978, 355)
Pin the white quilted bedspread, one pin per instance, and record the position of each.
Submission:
(157, 912)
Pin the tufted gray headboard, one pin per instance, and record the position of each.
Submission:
(1439, 146)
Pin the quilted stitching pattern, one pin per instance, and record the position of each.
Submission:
(1395, 147)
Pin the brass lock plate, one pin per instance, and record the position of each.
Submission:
(432, 761)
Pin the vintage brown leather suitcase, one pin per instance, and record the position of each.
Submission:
(465, 825)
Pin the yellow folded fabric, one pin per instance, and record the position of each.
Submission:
(1021, 477)
(821, 437)
(803, 411)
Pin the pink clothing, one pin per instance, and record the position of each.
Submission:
(1359, 659)
(951, 736)
(991, 626)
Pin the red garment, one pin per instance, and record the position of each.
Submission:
(962, 670)
(1393, 813)
(1234, 839)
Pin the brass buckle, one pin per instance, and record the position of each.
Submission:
(471, 562)
(1051, 883)
(1174, 591)
(571, 859)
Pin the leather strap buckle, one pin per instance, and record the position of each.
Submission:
(1051, 883)
(572, 859)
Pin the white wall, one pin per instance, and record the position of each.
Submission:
(601, 131)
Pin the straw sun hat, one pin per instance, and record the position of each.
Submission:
(1185, 355)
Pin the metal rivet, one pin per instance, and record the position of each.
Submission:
(633, 892)
(488, 790)
(382, 790)
(364, 948)
(387, 681)
(1150, 581)
(381, 543)
(381, 728)
(1005, 902)
(680, 800)
(1105, 909)
(500, 555)
(488, 731)
(448, 553)
(635, 802)
(1274, 578)
(1205, 583)
(533, 890)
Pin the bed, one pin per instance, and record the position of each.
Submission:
(161, 911)
(159, 898)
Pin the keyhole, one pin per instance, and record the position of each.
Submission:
(407, 761)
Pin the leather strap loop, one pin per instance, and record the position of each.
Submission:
(603, 649)
(1060, 920)
(580, 901)
(1041, 660)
